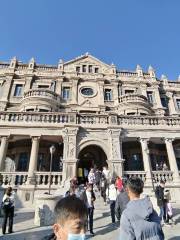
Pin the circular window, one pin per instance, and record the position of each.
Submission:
(87, 91)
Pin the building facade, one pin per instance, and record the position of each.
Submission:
(94, 115)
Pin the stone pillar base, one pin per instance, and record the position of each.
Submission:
(25, 196)
(44, 209)
(31, 180)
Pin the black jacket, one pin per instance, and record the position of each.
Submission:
(160, 196)
(121, 202)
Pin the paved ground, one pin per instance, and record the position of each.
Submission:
(25, 230)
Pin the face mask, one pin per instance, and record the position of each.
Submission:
(76, 236)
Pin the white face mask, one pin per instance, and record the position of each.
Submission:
(76, 236)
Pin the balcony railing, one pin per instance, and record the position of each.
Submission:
(139, 174)
(19, 178)
(42, 93)
(8, 118)
(157, 176)
(133, 98)
(166, 176)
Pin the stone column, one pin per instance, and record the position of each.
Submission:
(33, 160)
(172, 160)
(27, 86)
(101, 92)
(171, 106)
(74, 91)
(146, 160)
(115, 93)
(3, 151)
(7, 88)
(69, 153)
(116, 156)
(157, 98)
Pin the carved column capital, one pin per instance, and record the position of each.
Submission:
(169, 140)
(6, 138)
(143, 140)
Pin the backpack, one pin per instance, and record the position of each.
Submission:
(6, 204)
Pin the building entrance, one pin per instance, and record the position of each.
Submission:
(90, 157)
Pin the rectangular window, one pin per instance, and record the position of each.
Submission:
(96, 70)
(178, 103)
(129, 91)
(90, 68)
(18, 90)
(150, 97)
(164, 102)
(84, 68)
(66, 93)
(108, 95)
(78, 69)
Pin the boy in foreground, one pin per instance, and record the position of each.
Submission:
(71, 219)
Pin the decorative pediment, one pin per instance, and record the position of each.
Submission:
(86, 103)
(90, 64)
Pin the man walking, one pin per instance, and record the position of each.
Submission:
(89, 197)
(139, 220)
(121, 202)
(161, 201)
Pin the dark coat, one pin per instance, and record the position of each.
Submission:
(160, 196)
(121, 203)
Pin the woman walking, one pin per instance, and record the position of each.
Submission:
(8, 209)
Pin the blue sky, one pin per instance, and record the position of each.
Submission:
(125, 32)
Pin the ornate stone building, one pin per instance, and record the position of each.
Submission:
(94, 115)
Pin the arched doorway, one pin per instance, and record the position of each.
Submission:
(91, 156)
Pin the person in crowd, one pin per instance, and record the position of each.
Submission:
(118, 183)
(157, 167)
(111, 193)
(103, 185)
(165, 167)
(168, 206)
(121, 201)
(98, 178)
(159, 192)
(107, 174)
(8, 210)
(70, 220)
(91, 177)
(89, 198)
(139, 220)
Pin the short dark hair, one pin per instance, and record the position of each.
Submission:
(9, 191)
(69, 207)
(162, 182)
(135, 184)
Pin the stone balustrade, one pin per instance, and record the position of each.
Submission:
(129, 98)
(86, 119)
(139, 174)
(42, 93)
(13, 178)
(43, 178)
(24, 117)
(166, 176)
(19, 178)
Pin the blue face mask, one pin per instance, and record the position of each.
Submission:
(76, 236)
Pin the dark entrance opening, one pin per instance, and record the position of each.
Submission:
(90, 157)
